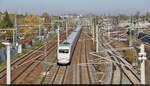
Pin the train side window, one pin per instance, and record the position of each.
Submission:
(63, 51)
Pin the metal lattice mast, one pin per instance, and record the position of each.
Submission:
(131, 41)
(134, 50)
(134, 45)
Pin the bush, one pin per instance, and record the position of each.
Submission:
(128, 55)
(1, 45)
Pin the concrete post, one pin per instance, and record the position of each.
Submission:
(20, 48)
(8, 62)
(97, 44)
(142, 58)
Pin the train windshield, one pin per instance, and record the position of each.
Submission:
(63, 51)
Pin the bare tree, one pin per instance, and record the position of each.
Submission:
(46, 17)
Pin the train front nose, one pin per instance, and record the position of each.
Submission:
(63, 56)
(63, 61)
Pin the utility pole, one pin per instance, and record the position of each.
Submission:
(100, 36)
(13, 37)
(134, 45)
(58, 35)
(109, 32)
(8, 62)
(93, 33)
(142, 58)
(131, 26)
(52, 27)
(16, 28)
(132, 41)
(66, 31)
(97, 41)
(90, 24)
(39, 29)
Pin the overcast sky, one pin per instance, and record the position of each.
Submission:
(57, 7)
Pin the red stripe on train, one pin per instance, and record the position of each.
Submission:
(63, 59)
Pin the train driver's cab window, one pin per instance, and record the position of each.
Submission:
(63, 51)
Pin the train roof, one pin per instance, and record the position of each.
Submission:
(71, 37)
(64, 46)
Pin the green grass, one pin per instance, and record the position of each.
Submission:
(89, 33)
(147, 31)
(128, 54)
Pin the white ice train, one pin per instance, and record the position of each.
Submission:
(66, 49)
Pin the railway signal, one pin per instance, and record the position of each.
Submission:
(142, 58)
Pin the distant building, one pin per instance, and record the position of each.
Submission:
(68, 15)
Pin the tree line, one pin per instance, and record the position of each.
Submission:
(5, 21)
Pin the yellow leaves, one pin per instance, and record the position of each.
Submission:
(31, 19)
(27, 29)
(9, 33)
(128, 54)
(32, 22)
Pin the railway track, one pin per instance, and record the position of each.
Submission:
(73, 73)
(92, 74)
(117, 75)
(124, 68)
(60, 74)
(21, 78)
(84, 73)
(22, 64)
(27, 63)
(147, 49)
